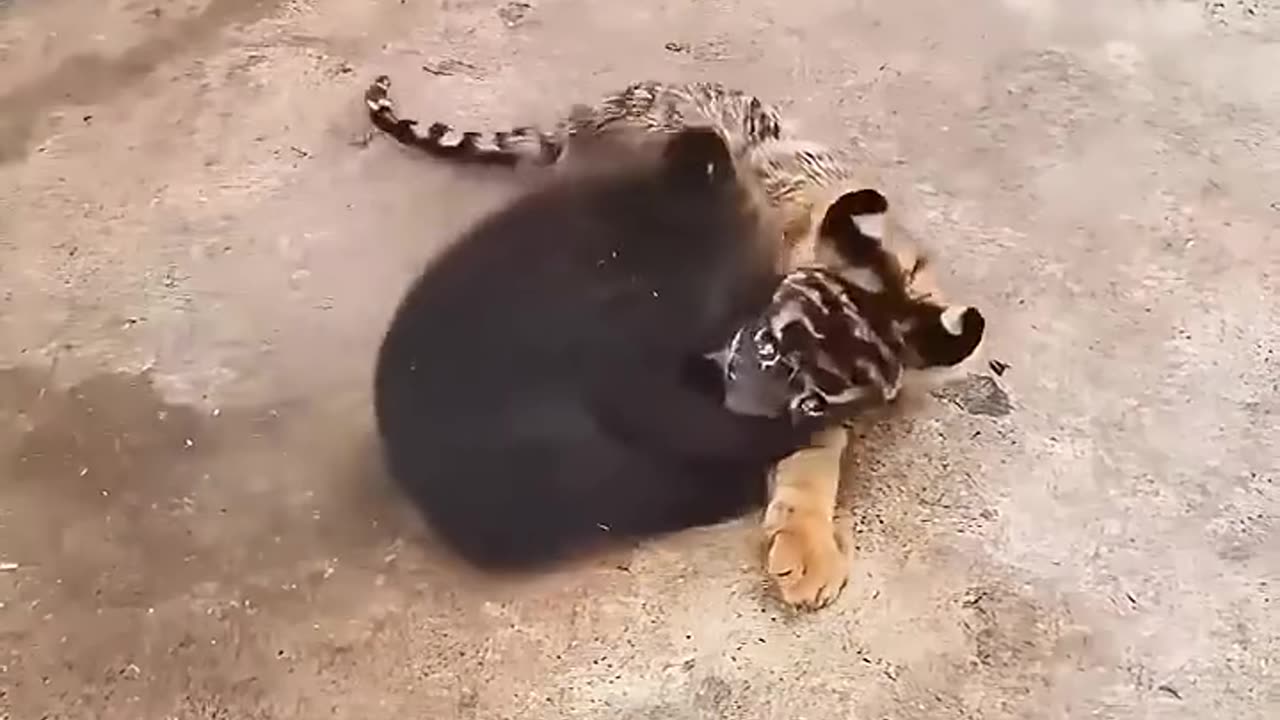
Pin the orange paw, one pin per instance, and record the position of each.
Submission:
(805, 560)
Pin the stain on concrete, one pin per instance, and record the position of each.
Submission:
(977, 395)
(714, 697)
(150, 539)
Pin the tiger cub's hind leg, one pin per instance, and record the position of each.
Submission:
(520, 146)
(806, 559)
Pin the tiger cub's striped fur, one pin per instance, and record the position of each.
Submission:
(640, 108)
(798, 179)
(826, 348)
(822, 350)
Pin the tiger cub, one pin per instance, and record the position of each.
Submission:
(822, 351)
(798, 179)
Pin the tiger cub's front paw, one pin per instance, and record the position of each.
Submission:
(805, 560)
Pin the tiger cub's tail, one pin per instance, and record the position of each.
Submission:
(519, 146)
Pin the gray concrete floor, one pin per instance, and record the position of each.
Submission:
(198, 252)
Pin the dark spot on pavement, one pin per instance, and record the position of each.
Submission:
(977, 395)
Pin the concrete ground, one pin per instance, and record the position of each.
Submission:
(199, 246)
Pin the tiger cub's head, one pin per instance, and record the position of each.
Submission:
(855, 236)
(826, 348)
(851, 327)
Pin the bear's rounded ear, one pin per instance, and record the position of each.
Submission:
(854, 224)
(698, 157)
(946, 336)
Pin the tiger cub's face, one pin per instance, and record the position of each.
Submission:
(845, 334)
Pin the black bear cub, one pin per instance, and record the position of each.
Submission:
(537, 392)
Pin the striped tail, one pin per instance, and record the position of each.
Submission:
(505, 149)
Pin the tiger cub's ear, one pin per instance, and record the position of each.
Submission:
(854, 225)
(698, 157)
(945, 336)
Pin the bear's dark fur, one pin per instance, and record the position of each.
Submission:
(537, 390)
